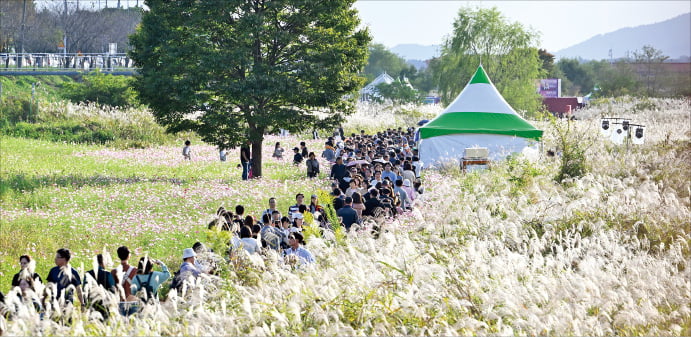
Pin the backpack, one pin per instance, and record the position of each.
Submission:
(177, 282)
(150, 294)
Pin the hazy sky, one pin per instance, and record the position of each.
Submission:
(560, 23)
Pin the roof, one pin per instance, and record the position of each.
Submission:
(372, 86)
(479, 109)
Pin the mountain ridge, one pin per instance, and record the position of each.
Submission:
(672, 37)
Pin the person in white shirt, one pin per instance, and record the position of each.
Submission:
(246, 241)
(295, 241)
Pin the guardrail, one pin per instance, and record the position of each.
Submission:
(56, 64)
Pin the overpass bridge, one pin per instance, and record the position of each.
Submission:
(18, 64)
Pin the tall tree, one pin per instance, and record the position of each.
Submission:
(579, 75)
(16, 20)
(382, 60)
(234, 70)
(483, 36)
(649, 65)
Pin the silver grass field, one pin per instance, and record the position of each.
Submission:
(504, 251)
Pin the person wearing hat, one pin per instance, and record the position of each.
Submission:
(296, 242)
(297, 157)
(298, 219)
(188, 267)
(408, 188)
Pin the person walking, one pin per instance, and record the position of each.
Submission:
(312, 166)
(187, 151)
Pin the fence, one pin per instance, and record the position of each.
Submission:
(39, 63)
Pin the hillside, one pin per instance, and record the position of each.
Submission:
(672, 37)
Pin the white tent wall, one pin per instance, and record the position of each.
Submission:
(433, 151)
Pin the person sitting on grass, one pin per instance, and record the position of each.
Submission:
(147, 281)
(65, 278)
(27, 266)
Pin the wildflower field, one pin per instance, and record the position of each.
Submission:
(505, 251)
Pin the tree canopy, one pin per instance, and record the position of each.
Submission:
(506, 51)
(237, 69)
(382, 60)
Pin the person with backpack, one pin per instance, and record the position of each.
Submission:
(103, 278)
(147, 281)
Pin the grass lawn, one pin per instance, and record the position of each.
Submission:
(91, 198)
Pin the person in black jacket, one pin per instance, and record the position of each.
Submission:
(347, 214)
(373, 206)
(297, 157)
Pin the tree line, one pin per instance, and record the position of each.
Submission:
(26, 27)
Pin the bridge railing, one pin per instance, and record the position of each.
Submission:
(32, 62)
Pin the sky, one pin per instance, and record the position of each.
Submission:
(561, 24)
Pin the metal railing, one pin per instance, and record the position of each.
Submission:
(18, 63)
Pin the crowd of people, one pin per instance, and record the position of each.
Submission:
(375, 176)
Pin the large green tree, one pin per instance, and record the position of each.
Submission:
(235, 70)
(506, 51)
(382, 60)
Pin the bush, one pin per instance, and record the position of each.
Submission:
(102, 89)
(66, 131)
(15, 109)
(573, 160)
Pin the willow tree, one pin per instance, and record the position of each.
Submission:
(235, 70)
(506, 51)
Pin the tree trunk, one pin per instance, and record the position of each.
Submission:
(257, 158)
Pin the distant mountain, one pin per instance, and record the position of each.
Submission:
(672, 37)
(416, 51)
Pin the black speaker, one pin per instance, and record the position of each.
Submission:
(625, 125)
(639, 132)
(605, 125)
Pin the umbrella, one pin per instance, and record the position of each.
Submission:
(422, 122)
(359, 161)
(379, 160)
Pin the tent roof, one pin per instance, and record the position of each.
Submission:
(479, 108)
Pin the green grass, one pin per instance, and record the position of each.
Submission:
(48, 89)
(57, 195)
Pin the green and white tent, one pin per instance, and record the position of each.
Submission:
(478, 117)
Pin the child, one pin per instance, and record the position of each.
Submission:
(187, 151)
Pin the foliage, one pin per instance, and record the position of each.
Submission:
(233, 71)
(483, 36)
(67, 122)
(572, 149)
(577, 75)
(100, 88)
(381, 60)
(651, 60)
(398, 92)
(86, 29)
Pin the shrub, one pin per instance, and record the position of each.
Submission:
(102, 89)
(573, 160)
